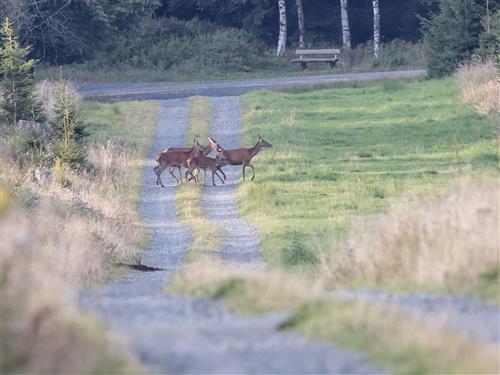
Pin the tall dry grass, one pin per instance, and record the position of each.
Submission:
(250, 289)
(62, 232)
(41, 332)
(479, 84)
(448, 240)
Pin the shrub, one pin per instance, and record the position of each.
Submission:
(297, 253)
(478, 84)
(185, 45)
(393, 54)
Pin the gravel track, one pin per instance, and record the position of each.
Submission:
(475, 318)
(174, 334)
(241, 240)
(171, 90)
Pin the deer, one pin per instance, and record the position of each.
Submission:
(241, 156)
(204, 162)
(178, 157)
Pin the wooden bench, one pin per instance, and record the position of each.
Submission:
(329, 56)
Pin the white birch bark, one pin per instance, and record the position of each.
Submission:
(344, 17)
(376, 29)
(282, 34)
(300, 14)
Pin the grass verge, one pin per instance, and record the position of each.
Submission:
(249, 291)
(206, 235)
(392, 337)
(67, 232)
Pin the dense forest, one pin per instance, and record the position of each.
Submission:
(230, 34)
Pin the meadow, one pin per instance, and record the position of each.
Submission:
(387, 184)
(344, 155)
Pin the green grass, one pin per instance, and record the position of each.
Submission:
(349, 151)
(206, 235)
(126, 123)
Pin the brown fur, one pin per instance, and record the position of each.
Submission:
(242, 156)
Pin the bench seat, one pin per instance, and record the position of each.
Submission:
(330, 56)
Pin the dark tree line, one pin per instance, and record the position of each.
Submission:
(64, 31)
(163, 32)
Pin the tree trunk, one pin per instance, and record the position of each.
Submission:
(300, 14)
(376, 29)
(346, 32)
(282, 35)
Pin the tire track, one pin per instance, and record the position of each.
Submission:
(241, 239)
(174, 334)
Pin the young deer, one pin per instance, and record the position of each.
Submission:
(241, 156)
(178, 157)
(204, 162)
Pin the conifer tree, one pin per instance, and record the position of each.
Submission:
(16, 79)
(68, 127)
(450, 34)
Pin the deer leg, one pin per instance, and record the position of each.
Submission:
(243, 171)
(155, 169)
(221, 180)
(171, 170)
(180, 173)
(253, 171)
(213, 177)
(159, 171)
(190, 172)
(219, 168)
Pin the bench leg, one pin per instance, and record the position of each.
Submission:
(332, 64)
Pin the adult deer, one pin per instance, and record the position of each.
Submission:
(179, 157)
(241, 156)
(204, 162)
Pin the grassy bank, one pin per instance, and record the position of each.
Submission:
(66, 232)
(348, 152)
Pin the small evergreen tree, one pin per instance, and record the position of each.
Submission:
(68, 128)
(489, 40)
(450, 34)
(16, 79)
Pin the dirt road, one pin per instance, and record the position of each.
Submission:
(171, 90)
(187, 335)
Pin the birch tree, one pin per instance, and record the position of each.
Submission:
(282, 25)
(300, 15)
(376, 29)
(346, 32)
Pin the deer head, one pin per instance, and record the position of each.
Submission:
(262, 142)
